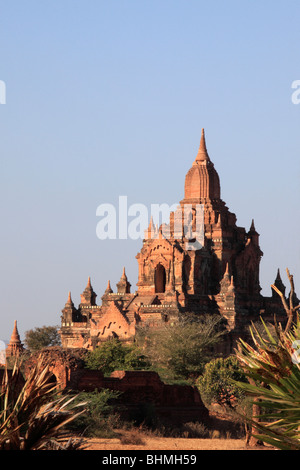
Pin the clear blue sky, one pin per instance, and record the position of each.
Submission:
(108, 98)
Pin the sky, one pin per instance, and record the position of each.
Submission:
(102, 99)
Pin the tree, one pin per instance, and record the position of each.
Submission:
(114, 355)
(181, 348)
(216, 384)
(42, 337)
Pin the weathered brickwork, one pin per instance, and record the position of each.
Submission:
(221, 277)
(178, 403)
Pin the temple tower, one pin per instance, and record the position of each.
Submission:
(15, 346)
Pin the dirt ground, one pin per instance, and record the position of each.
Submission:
(138, 440)
(157, 443)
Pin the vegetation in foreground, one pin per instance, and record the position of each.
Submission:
(259, 386)
(33, 415)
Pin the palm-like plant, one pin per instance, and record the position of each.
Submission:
(274, 383)
(32, 417)
(273, 369)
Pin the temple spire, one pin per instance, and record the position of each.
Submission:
(15, 347)
(108, 289)
(88, 297)
(227, 270)
(252, 228)
(278, 277)
(202, 154)
(69, 301)
(15, 337)
(279, 284)
(123, 285)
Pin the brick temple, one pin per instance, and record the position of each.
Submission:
(219, 276)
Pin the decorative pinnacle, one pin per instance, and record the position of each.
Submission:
(108, 289)
(227, 270)
(202, 154)
(231, 287)
(15, 338)
(69, 301)
(252, 228)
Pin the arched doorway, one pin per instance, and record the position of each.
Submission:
(160, 278)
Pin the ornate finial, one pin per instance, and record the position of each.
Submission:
(252, 228)
(227, 270)
(108, 289)
(69, 301)
(202, 154)
(150, 230)
(278, 277)
(231, 287)
(15, 338)
(14, 347)
(88, 297)
(123, 285)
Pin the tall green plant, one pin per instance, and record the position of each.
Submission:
(273, 369)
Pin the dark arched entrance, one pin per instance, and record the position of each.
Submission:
(160, 278)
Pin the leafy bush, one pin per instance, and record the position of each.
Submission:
(114, 355)
(216, 386)
(180, 349)
(99, 418)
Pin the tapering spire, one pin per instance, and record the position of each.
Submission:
(15, 337)
(69, 301)
(151, 228)
(279, 284)
(227, 270)
(252, 228)
(15, 346)
(202, 154)
(108, 290)
(88, 297)
(123, 285)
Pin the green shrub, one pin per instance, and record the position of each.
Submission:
(216, 386)
(114, 355)
(179, 349)
(99, 418)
